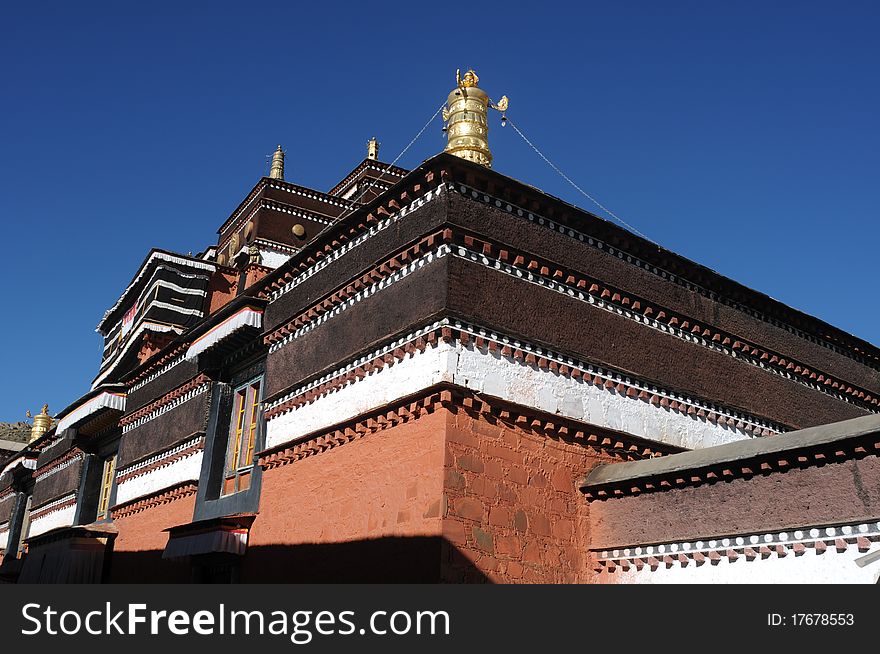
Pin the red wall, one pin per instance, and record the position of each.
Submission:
(137, 552)
(381, 494)
(513, 508)
(447, 497)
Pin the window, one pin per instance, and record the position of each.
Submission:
(21, 548)
(230, 479)
(242, 438)
(107, 474)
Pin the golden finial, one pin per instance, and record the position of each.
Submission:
(466, 116)
(277, 169)
(42, 423)
(373, 149)
(470, 78)
(254, 256)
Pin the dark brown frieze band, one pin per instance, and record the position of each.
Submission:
(601, 294)
(165, 399)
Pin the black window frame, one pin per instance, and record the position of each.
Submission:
(210, 500)
(89, 492)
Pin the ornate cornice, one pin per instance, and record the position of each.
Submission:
(750, 547)
(631, 306)
(392, 269)
(288, 187)
(314, 257)
(574, 284)
(386, 169)
(761, 464)
(154, 369)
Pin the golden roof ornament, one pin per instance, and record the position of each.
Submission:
(466, 117)
(254, 255)
(277, 169)
(373, 149)
(470, 78)
(42, 423)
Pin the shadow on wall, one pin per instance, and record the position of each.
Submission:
(421, 559)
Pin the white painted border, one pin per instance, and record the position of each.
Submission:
(831, 567)
(186, 469)
(157, 457)
(100, 401)
(52, 520)
(30, 463)
(272, 259)
(808, 535)
(244, 318)
(513, 381)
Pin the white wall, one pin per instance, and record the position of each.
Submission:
(501, 377)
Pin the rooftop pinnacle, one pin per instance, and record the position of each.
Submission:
(277, 169)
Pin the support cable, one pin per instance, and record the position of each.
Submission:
(578, 188)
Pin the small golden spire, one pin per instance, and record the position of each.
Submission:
(466, 117)
(42, 423)
(277, 169)
(373, 149)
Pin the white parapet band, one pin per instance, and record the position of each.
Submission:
(811, 567)
(187, 468)
(104, 400)
(501, 377)
(52, 520)
(244, 318)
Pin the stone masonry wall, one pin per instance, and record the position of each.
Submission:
(512, 506)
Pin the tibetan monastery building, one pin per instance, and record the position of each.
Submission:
(446, 375)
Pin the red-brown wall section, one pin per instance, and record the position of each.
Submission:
(450, 496)
(385, 485)
(137, 552)
(513, 508)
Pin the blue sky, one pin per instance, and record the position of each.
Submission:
(741, 135)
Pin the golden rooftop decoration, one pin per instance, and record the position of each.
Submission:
(254, 256)
(466, 117)
(42, 423)
(373, 149)
(277, 169)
